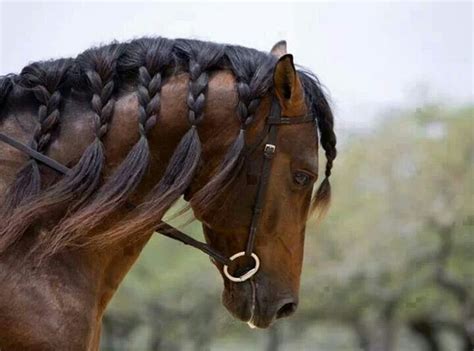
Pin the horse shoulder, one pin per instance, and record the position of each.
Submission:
(46, 307)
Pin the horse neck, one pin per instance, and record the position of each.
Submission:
(220, 110)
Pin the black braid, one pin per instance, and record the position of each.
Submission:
(247, 105)
(328, 142)
(200, 58)
(322, 198)
(102, 102)
(149, 99)
(44, 80)
(151, 57)
(320, 107)
(198, 82)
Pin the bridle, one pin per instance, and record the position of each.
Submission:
(274, 120)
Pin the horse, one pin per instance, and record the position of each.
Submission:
(114, 137)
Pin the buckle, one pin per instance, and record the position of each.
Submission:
(269, 150)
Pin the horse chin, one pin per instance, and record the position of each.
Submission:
(241, 301)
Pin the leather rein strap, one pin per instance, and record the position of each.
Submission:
(273, 121)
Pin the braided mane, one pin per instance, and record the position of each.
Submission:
(142, 65)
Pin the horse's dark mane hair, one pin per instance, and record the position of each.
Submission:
(142, 65)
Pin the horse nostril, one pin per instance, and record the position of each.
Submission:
(286, 310)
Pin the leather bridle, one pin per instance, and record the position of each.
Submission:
(274, 120)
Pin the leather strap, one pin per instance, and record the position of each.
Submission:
(268, 153)
(48, 161)
(173, 233)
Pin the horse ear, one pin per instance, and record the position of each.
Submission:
(287, 85)
(279, 49)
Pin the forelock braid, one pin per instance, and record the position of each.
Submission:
(320, 107)
(149, 58)
(328, 141)
(322, 198)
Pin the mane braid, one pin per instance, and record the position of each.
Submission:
(252, 84)
(201, 58)
(149, 58)
(44, 81)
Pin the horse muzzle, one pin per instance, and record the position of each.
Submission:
(258, 302)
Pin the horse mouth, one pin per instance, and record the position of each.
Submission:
(242, 302)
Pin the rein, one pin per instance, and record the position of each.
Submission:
(274, 120)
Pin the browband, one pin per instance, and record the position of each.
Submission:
(290, 120)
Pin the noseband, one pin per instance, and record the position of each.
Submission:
(274, 120)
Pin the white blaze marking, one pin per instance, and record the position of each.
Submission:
(252, 308)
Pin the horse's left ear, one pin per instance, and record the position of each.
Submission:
(279, 49)
(287, 85)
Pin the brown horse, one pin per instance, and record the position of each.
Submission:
(140, 124)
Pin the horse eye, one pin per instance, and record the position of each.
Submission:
(301, 178)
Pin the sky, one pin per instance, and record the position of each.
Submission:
(370, 56)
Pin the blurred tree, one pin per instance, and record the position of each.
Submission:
(376, 262)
